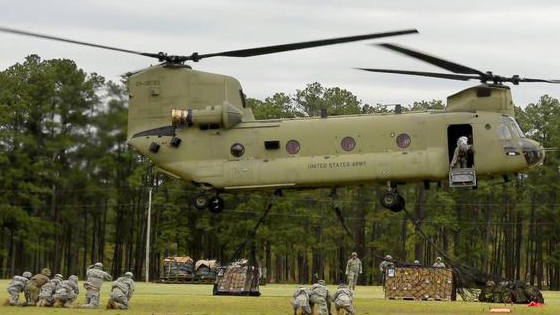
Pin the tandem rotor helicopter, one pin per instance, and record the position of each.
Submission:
(196, 126)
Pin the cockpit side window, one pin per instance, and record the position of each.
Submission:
(515, 126)
(503, 131)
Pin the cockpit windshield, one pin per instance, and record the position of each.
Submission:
(515, 128)
(508, 128)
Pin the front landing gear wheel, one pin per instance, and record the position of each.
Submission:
(392, 201)
(216, 204)
(200, 202)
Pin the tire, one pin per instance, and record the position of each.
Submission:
(216, 204)
(389, 199)
(200, 202)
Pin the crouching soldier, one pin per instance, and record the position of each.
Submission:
(487, 293)
(343, 299)
(95, 278)
(46, 297)
(121, 293)
(300, 302)
(320, 296)
(33, 287)
(15, 287)
(67, 292)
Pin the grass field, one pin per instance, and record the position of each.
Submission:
(198, 300)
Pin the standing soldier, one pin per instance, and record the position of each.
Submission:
(95, 278)
(17, 286)
(460, 154)
(353, 268)
(121, 293)
(388, 262)
(301, 301)
(67, 292)
(320, 296)
(487, 293)
(439, 263)
(343, 299)
(46, 297)
(33, 287)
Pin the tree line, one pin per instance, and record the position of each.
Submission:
(72, 193)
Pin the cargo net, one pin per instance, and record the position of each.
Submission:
(237, 279)
(420, 283)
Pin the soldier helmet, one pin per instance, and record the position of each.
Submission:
(354, 254)
(342, 285)
(417, 262)
(27, 274)
(73, 278)
(490, 283)
(98, 265)
(46, 272)
(129, 274)
(321, 282)
(58, 276)
(438, 258)
(388, 257)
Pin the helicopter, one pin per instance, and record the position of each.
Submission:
(196, 126)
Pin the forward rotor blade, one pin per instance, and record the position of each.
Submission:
(436, 61)
(460, 77)
(61, 39)
(303, 45)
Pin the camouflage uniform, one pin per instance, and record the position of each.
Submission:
(48, 290)
(460, 154)
(67, 292)
(33, 287)
(320, 296)
(353, 268)
(95, 278)
(487, 293)
(439, 263)
(17, 286)
(502, 292)
(121, 293)
(384, 265)
(343, 299)
(301, 300)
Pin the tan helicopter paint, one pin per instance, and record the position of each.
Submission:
(204, 156)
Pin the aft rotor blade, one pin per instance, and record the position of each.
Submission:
(302, 45)
(61, 39)
(539, 80)
(425, 74)
(436, 61)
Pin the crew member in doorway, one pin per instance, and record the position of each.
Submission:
(461, 151)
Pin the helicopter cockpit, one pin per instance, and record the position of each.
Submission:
(515, 143)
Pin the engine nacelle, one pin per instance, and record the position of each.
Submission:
(225, 115)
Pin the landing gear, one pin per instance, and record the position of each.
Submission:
(392, 200)
(215, 204)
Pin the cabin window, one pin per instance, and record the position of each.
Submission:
(503, 131)
(292, 147)
(348, 144)
(403, 140)
(243, 98)
(272, 145)
(237, 150)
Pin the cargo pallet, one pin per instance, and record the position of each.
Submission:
(417, 283)
(185, 279)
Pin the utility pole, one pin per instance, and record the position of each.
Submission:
(148, 236)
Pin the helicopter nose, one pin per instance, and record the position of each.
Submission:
(533, 152)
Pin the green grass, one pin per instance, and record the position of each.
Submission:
(197, 300)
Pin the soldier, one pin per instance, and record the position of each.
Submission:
(301, 301)
(17, 286)
(388, 262)
(343, 299)
(460, 154)
(320, 296)
(121, 293)
(502, 292)
(353, 268)
(67, 292)
(487, 293)
(416, 263)
(46, 297)
(95, 278)
(439, 263)
(33, 287)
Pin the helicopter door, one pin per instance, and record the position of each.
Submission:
(462, 173)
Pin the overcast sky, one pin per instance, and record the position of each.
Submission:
(507, 37)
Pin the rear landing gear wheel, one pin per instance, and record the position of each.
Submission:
(392, 201)
(216, 204)
(200, 201)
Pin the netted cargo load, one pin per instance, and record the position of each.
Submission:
(238, 280)
(177, 269)
(420, 283)
(206, 270)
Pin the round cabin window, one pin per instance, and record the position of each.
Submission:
(237, 149)
(292, 147)
(348, 144)
(403, 140)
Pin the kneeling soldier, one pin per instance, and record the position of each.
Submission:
(121, 293)
(343, 299)
(15, 287)
(67, 292)
(301, 301)
(46, 297)
(33, 287)
(320, 296)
